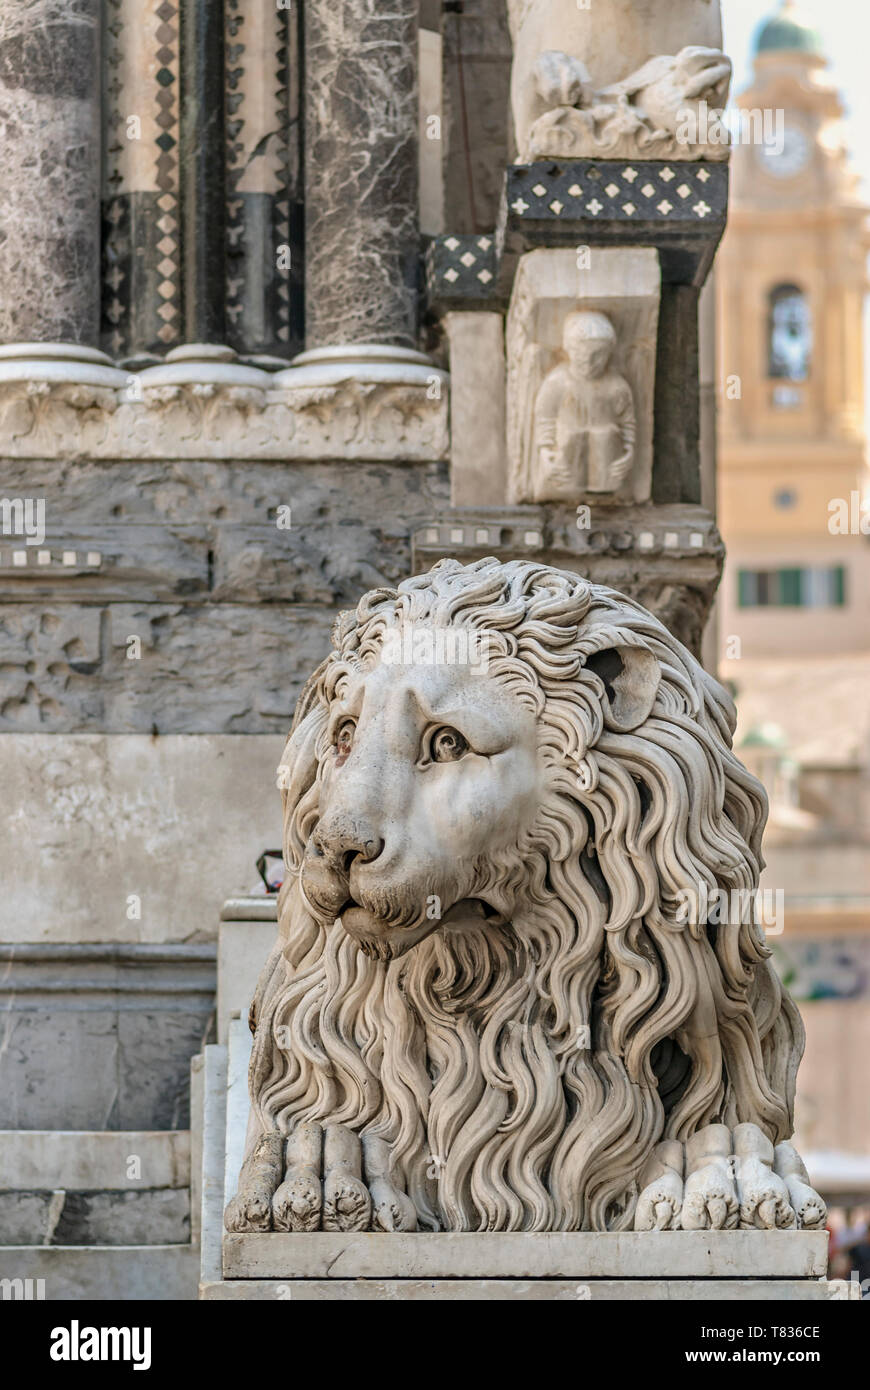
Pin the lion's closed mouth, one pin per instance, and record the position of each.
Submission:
(380, 938)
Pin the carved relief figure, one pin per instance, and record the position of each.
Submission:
(618, 80)
(584, 421)
(486, 1008)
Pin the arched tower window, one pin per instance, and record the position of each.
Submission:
(789, 334)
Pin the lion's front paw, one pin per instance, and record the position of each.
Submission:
(810, 1209)
(347, 1205)
(336, 1181)
(392, 1209)
(251, 1208)
(297, 1203)
(709, 1198)
(661, 1181)
(764, 1196)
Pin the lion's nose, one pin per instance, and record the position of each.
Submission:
(343, 844)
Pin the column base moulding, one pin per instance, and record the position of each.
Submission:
(365, 402)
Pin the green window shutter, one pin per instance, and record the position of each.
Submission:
(747, 589)
(790, 587)
(838, 586)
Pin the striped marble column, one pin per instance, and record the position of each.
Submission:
(361, 239)
(50, 170)
(142, 303)
(264, 199)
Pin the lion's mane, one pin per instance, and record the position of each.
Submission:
(523, 1074)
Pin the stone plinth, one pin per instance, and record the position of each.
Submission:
(529, 1290)
(528, 1255)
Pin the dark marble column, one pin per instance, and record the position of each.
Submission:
(50, 170)
(676, 448)
(361, 241)
(203, 191)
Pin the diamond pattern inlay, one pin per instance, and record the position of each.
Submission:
(142, 69)
(460, 266)
(581, 189)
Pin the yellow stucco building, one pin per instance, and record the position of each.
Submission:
(792, 281)
(793, 609)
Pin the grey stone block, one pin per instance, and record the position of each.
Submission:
(218, 668)
(203, 494)
(94, 819)
(152, 1216)
(93, 1160)
(111, 1047)
(232, 611)
(111, 562)
(165, 1273)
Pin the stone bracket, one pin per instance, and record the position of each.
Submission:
(679, 208)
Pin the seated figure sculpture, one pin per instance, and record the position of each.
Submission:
(584, 420)
(493, 1003)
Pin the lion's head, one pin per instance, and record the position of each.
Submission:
(501, 789)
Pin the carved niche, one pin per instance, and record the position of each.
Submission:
(581, 347)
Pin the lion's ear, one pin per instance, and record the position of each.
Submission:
(630, 676)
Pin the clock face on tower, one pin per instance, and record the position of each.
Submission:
(785, 163)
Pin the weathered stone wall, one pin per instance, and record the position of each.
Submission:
(232, 610)
(140, 780)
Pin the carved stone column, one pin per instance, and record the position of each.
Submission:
(360, 172)
(50, 170)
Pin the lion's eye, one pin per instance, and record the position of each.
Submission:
(344, 738)
(447, 745)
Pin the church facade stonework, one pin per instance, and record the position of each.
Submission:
(385, 322)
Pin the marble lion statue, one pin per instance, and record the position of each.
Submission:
(493, 1004)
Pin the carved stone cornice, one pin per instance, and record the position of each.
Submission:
(201, 401)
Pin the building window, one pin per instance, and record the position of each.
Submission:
(789, 337)
(818, 587)
(785, 498)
